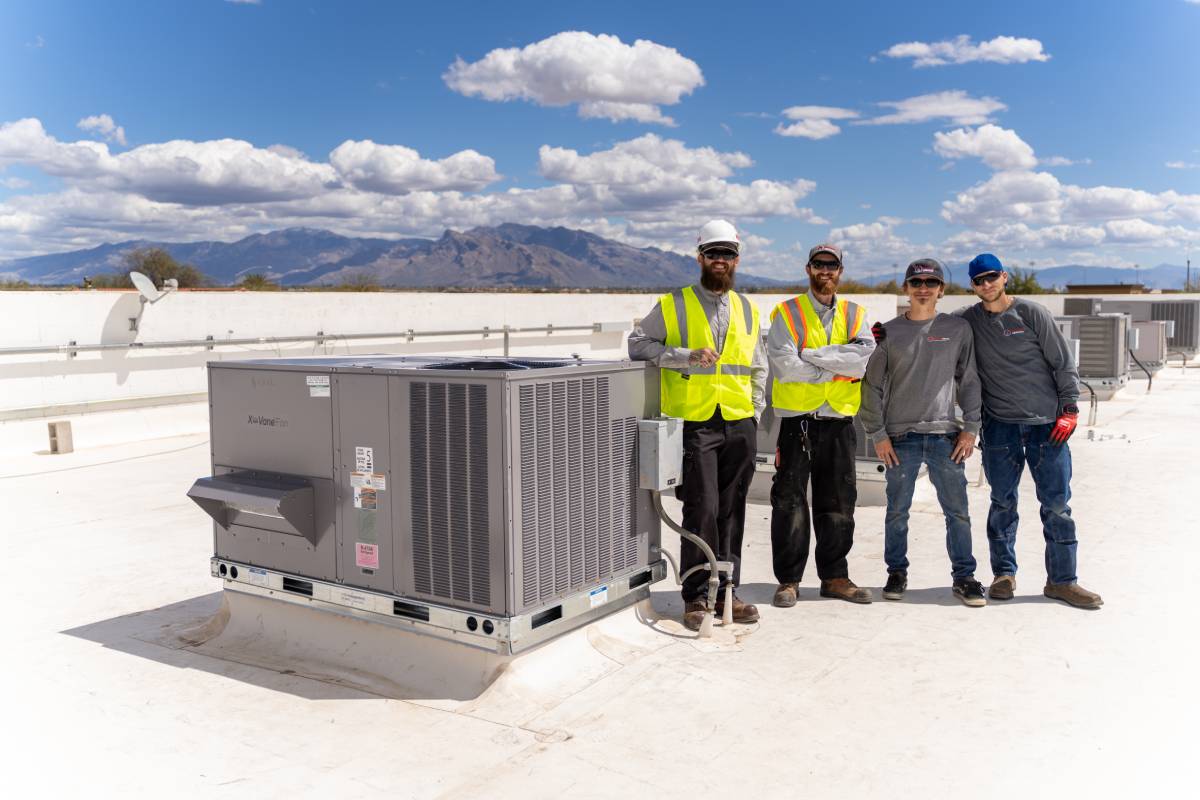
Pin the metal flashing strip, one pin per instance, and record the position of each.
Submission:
(508, 635)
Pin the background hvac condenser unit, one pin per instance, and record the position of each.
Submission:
(1081, 306)
(869, 469)
(490, 500)
(1183, 314)
(1150, 346)
(1103, 352)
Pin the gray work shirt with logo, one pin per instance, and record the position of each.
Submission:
(648, 342)
(1028, 374)
(918, 374)
(791, 364)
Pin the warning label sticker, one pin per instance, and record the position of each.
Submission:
(364, 459)
(368, 480)
(366, 555)
(318, 391)
(598, 597)
(366, 499)
(256, 576)
(316, 380)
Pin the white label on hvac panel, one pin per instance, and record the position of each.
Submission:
(368, 480)
(364, 459)
(598, 597)
(316, 380)
(256, 576)
(348, 598)
(318, 391)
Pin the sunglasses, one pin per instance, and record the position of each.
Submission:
(928, 283)
(720, 254)
(827, 266)
(987, 277)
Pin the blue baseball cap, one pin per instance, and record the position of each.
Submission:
(983, 264)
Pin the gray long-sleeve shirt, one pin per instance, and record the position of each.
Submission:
(647, 342)
(1028, 374)
(792, 364)
(917, 375)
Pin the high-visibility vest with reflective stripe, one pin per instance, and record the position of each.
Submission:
(695, 393)
(842, 394)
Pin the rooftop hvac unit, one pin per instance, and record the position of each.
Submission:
(1081, 306)
(869, 469)
(493, 501)
(1151, 345)
(1103, 352)
(1186, 316)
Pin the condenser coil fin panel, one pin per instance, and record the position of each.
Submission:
(577, 465)
(1186, 314)
(1102, 346)
(449, 491)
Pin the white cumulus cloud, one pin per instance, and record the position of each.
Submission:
(104, 125)
(813, 122)
(955, 105)
(999, 148)
(395, 169)
(962, 50)
(604, 76)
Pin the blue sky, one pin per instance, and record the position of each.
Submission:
(1049, 133)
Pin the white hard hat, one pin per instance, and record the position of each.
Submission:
(718, 230)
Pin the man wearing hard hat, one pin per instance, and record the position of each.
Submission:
(818, 347)
(706, 340)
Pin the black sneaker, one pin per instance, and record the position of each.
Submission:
(970, 591)
(897, 582)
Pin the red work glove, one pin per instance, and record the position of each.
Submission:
(1064, 426)
(879, 332)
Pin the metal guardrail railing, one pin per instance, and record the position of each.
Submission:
(71, 349)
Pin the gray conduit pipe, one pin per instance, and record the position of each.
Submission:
(715, 567)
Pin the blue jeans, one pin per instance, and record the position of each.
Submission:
(950, 482)
(1007, 447)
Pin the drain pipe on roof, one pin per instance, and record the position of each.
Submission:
(714, 566)
(1093, 406)
(1149, 377)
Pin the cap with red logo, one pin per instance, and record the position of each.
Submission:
(831, 249)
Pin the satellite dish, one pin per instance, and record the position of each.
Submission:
(145, 287)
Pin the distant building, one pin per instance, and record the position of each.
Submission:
(1106, 288)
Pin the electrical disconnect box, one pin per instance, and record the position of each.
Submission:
(660, 457)
(493, 501)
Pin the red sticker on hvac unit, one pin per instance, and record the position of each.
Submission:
(366, 555)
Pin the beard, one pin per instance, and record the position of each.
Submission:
(717, 282)
(824, 282)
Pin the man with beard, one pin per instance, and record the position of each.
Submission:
(1030, 394)
(818, 350)
(707, 343)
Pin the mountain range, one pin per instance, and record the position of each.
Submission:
(507, 255)
(504, 256)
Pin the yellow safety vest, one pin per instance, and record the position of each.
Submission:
(695, 393)
(842, 394)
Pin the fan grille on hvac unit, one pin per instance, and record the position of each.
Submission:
(448, 425)
(578, 477)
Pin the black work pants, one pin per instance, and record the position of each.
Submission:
(718, 463)
(823, 451)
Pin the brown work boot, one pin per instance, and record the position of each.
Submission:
(1002, 587)
(786, 595)
(743, 613)
(844, 589)
(1073, 594)
(693, 615)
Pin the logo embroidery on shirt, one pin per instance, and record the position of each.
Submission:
(1013, 331)
(937, 338)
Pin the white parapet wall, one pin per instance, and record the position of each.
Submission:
(38, 385)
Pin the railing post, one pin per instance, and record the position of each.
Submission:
(506, 337)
